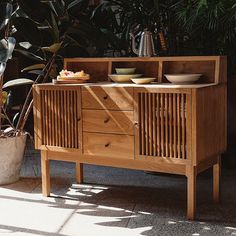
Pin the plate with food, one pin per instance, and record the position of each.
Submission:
(66, 75)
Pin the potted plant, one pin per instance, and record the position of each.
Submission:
(12, 141)
(55, 30)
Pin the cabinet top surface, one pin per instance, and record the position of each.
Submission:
(173, 58)
(132, 85)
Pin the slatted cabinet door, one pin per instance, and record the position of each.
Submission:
(163, 125)
(57, 114)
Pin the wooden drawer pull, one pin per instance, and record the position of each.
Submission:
(106, 120)
(107, 144)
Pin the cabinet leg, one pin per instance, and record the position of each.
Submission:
(191, 192)
(79, 172)
(216, 180)
(45, 169)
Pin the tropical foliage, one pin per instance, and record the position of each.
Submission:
(45, 32)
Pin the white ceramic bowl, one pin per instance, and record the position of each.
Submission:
(123, 78)
(125, 71)
(182, 78)
(143, 80)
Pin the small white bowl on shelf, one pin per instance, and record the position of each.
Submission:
(123, 78)
(125, 71)
(182, 78)
(143, 80)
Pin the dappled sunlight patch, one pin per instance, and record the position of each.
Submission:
(170, 222)
(144, 213)
(5, 231)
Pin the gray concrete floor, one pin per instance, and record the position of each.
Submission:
(112, 202)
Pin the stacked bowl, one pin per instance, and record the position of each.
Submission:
(124, 75)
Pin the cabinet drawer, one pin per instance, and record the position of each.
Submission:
(108, 145)
(105, 121)
(107, 98)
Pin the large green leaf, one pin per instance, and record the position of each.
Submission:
(28, 30)
(33, 67)
(54, 28)
(76, 7)
(30, 55)
(58, 7)
(17, 82)
(35, 9)
(53, 48)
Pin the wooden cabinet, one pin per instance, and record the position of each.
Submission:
(162, 127)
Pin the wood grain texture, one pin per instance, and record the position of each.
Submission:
(107, 98)
(163, 166)
(79, 172)
(105, 121)
(209, 122)
(217, 180)
(45, 169)
(191, 191)
(108, 145)
(162, 124)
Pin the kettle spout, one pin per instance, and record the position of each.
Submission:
(135, 50)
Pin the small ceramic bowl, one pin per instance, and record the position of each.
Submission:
(183, 78)
(143, 80)
(123, 78)
(125, 71)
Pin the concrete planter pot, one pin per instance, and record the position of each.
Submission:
(11, 157)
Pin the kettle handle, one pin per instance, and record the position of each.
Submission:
(135, 50)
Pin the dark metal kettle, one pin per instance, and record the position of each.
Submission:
(146, 45)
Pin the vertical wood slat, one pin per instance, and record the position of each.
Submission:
(174, 125)
(166, 115)
(65, 115)
(60, 118)
(53, 129)
(150, 125)
(75, 119)
(183, 110)
(142, 146)
(43, 116)
(46, 119)
(162, 129)
(158, 125)
(78, 116)
(72, 119)
(154, 124)
(68, 120)
(56, 120)
(179, 125)
(170, 125)
(146, 122)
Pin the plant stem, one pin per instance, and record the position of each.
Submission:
(26, 109)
